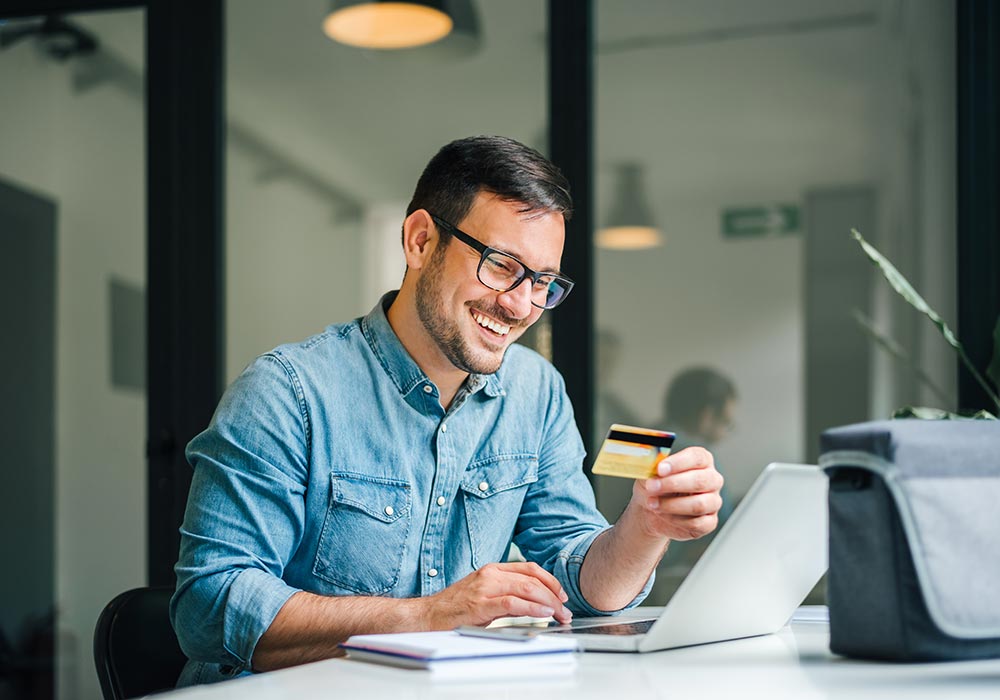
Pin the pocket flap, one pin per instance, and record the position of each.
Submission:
(384, 499)
(501, 473)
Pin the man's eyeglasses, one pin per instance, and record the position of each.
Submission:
(502, 272)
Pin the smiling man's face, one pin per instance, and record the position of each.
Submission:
(471, 324)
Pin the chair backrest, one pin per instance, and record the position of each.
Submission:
(135, 648)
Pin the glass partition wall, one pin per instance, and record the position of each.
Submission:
(742, 142)
(73, 275)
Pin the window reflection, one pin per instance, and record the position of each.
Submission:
(764, 132)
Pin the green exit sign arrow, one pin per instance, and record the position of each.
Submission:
(760, 221)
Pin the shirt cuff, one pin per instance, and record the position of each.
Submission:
(567, 571)
(254, 599)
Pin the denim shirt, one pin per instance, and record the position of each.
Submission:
(330, 466)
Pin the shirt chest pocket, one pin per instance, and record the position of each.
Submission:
(493, 491)
(363, 541)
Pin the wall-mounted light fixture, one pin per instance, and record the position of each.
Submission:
(630, 224)
(378, 24)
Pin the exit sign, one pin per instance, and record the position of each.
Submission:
(760, 221)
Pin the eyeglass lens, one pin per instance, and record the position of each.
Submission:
(503, 273)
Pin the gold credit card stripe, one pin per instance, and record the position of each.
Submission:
(627, 448)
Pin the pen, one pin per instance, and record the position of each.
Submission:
(510, 634)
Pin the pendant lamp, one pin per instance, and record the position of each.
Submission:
(630, 224)
(376, 24)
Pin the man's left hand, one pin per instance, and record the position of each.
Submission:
(682, 502)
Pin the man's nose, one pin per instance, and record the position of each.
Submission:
(517, 301)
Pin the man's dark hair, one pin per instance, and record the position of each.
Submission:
(494, 164)
(694, 390)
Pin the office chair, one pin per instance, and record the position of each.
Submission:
(135, 649)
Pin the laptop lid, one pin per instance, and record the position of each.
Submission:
(755, 573)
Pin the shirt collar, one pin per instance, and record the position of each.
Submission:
(396, 361)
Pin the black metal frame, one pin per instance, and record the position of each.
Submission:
(184, 209)
(978, 45)
(571, 147)
(185, 108)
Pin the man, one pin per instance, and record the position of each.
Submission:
(371, 478)
(699, 406)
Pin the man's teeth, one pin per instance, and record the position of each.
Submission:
(491, 324)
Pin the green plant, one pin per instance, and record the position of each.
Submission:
(903, 287)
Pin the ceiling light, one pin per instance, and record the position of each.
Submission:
(630, 224)
(375, 24)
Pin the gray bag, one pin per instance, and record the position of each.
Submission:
(914, 539)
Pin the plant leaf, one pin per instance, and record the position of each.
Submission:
(897, 351)
(925, 413)
(906, 290)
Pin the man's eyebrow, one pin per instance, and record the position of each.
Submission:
(554, 271)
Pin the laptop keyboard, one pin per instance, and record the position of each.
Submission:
(618, 629)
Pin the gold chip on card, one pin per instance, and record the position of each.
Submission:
(632, 452)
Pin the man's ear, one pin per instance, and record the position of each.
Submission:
(420, 236)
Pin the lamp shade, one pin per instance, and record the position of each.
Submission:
(375, 24)
(630, 224)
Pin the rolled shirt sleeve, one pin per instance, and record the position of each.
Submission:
(245, 516)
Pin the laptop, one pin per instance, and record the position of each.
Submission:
(759, 568)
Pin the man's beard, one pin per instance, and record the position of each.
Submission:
(445, 331)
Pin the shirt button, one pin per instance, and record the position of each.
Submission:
(483, 486)
(441, 500)
(428, 388)
(432, 573)
(389, 510)
(444, 427)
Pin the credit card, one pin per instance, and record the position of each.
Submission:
(632, 452)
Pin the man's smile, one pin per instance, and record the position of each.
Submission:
(491, 324)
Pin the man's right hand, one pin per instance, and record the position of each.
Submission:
(498, 590)
(310, 627)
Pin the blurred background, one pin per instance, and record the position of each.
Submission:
(737, 142)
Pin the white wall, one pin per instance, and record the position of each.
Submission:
(86, 151)
(383, 264)
(291, 267)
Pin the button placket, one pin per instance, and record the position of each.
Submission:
(433, 544)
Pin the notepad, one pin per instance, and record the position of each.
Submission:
(450, 655)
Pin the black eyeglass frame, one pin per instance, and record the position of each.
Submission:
(484, 252)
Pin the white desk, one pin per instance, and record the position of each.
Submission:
(795, 663)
